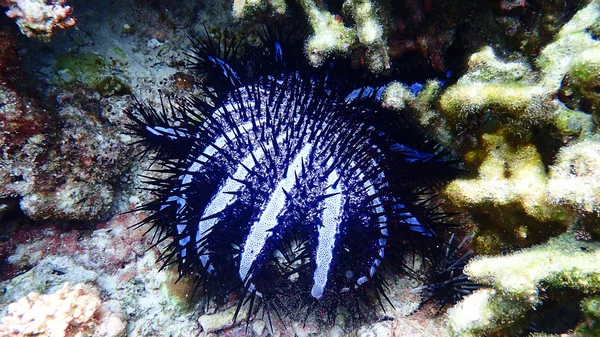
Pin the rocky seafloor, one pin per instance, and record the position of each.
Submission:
(512, 88)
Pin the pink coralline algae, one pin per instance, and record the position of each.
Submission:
(39, 18)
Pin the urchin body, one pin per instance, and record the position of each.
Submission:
(290, 188)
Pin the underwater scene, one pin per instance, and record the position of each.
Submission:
(369, 168)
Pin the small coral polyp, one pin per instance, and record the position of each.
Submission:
(290, 187)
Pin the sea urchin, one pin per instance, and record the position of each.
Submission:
(289, 185)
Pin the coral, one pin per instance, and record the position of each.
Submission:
(507, 175)
(508, 120)
(508, 197)
(52, 159)
(591, 309)
(418, 34)
(513, 94)
(38, 18)
(574, 179)
(330, 34)
(528, 25)
(528, 132)
(489, 84)
(522, 281)
(131, 284)
(69, 312)
(244, 8)
(580, 87)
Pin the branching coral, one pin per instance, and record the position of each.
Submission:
(515, 95)
(508, 197)
(330, 34)
(38, 18)
(575, 177)
(528, 132)
(507, 175)
(520, 283)
(508, 120)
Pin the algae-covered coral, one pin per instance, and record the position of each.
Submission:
(527, 130)
(508, 121)
(564, 268)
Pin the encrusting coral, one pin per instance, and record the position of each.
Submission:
(70, 312)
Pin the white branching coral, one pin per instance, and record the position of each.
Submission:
(70, 312)
(39, 18)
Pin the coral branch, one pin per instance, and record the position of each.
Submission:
(521, 281)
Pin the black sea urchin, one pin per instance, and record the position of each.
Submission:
(289, 185)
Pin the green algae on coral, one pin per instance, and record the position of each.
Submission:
(522, 281)
(591, 309)
(91, 71)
